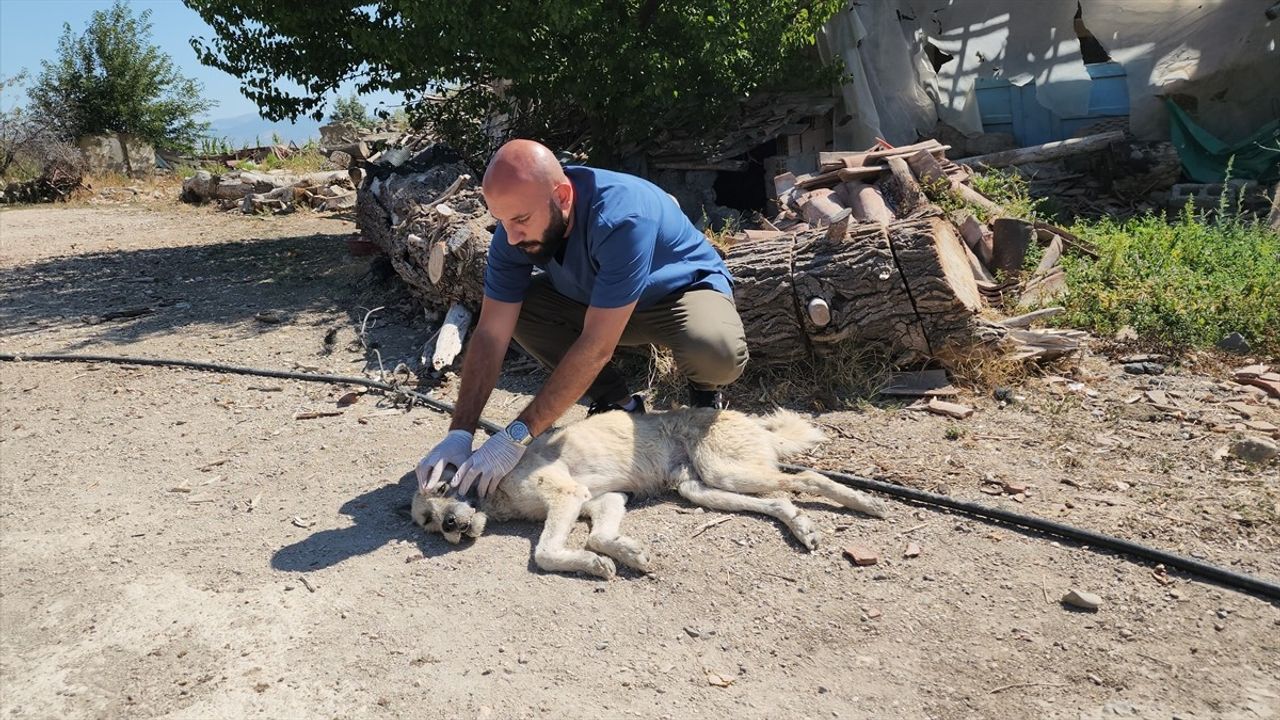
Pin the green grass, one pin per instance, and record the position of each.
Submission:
(1185, 281)
(1008, 189)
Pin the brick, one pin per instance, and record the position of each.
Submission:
(860, 555)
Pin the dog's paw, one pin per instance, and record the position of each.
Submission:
(632, 554)
(873, 506)
(802, 527)
(602, 567)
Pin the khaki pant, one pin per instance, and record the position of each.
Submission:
(701, 327)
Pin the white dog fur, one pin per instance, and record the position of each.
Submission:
(710, 457)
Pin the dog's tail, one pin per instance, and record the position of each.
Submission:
(791, 432)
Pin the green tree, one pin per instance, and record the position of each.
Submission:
(621, 70)
(349, 110)
(111, 78)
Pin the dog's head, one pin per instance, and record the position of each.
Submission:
(442, 512)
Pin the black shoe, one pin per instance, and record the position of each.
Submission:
(713, 399)
(601, 407)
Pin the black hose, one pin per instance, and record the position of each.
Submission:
(260, 372)
(1208, 571)
(1095, 539)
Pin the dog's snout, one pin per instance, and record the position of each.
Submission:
(450, 523)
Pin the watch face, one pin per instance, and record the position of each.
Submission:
(519, 432)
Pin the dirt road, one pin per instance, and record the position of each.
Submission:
(177, 545)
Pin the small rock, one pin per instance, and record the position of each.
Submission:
(1234, 343)
(1014, 487)
(1003, 394)
(1219, 626)
(1083, 600)
(943, 489)
(913, 550)
(860, 555)
(693, 632)
(1144, 368)
(1255, 450)
(1126, 633)
(271, 317)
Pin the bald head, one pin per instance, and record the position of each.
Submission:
(527, 191)
(523, 166)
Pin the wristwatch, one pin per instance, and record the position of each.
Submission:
(520, 433)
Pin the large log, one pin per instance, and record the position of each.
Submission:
(1047, 151)
(906, 286)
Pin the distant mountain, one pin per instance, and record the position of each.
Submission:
(252, 130)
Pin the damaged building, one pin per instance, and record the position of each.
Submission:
(1184, 80)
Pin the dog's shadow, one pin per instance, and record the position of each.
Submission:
(381, 516)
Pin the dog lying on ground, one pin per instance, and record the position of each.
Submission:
(713, 458)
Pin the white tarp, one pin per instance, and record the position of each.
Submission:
(1221, 55)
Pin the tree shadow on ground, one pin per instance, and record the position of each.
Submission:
(128, 295)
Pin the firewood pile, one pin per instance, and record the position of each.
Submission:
(863, 252)
(859, 252)
(276, 191)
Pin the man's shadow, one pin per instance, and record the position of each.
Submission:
(380, 516)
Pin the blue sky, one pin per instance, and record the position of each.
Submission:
(29, 32)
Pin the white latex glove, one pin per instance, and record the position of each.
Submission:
(495, 458)
(454, 450)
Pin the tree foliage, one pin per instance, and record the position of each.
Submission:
(349, 110)
(619, 70)
(111, 78)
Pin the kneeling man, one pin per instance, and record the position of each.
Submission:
(620, 264)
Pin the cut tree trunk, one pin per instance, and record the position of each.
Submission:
(906, 286)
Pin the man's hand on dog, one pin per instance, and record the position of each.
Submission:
(454, 450)
(488, 465)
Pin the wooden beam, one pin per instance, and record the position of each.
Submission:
(1047, 151)
(838, 158)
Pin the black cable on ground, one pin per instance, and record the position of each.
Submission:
(239, 370)
(1202, 569)
(1208, 571)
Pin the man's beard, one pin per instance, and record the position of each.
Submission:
(553, 238)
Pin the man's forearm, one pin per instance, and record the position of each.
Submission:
(570, 380)
(480, 369)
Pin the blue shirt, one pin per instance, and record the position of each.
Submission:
(629, 242)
